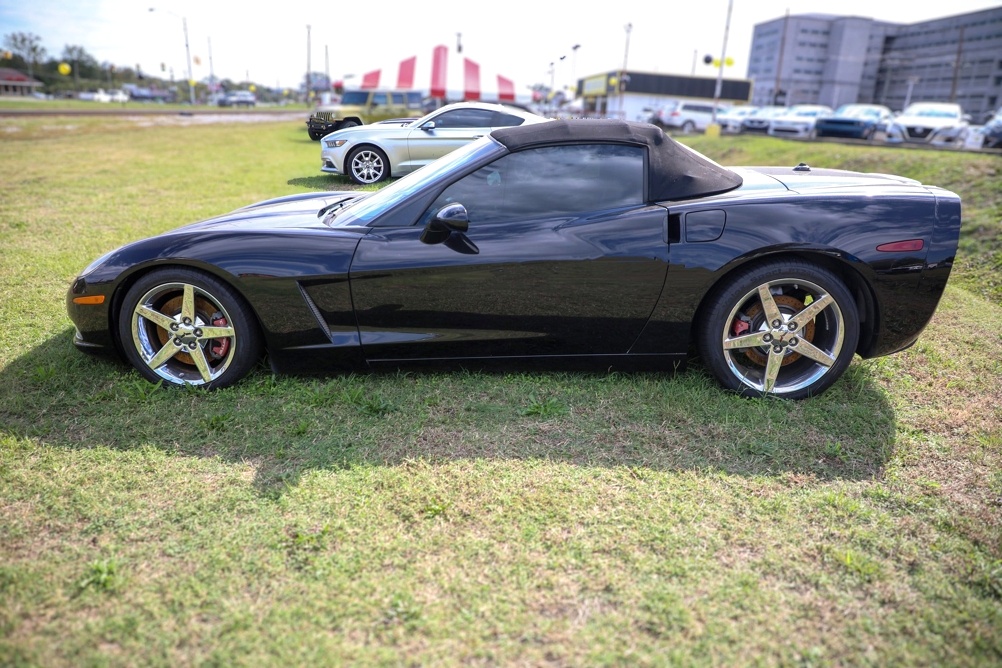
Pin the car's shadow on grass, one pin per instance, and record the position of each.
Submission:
(285, 426)
(326, 182)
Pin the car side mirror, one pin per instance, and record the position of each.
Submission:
(430, 125)
(450, 218)
(448, 226)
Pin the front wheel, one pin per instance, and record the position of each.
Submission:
(788, 329)
(368, 164)
(184, 327)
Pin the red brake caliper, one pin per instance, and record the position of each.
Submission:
(219, 347)
(739, 326)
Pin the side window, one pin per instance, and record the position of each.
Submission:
(398, 98)
(414, 100)
(554, 181)
(464, 118)
(503, 120)
(378, 99)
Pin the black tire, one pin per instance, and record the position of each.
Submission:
(367, 164)
(688, 127)
(184, 327)
(806, 347)
(349, 124)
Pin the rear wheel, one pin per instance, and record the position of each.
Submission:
(184, 327)
(367, 164)
(785, 328)
(688, 127)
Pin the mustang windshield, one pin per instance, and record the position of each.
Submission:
(364, 210)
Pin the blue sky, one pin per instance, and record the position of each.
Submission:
(268, 42)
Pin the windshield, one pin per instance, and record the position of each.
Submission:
(856, 111)
(364, 210)
(355, 97)
(932, 112)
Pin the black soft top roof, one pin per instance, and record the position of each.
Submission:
(675, 171)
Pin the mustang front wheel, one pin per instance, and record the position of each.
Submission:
(368, 165)
(789, 329)
(184, 327)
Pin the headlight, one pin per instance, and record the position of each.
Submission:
(335, 143)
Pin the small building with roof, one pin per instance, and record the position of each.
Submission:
(14, 83)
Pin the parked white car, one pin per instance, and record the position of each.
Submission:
(685, 115)
(373, 153)
(730, 120)
(929, 123)
(758, 121)
(798, 121)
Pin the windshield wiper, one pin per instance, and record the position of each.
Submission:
(332, 206)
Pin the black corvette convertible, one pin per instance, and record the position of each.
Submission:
(601, 242)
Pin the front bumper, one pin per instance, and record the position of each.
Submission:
(92, 321)
(917, 134)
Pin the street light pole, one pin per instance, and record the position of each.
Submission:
(187, 52)
(622, 74)
(574, 67)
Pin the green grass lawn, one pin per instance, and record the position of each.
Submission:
(447, 518)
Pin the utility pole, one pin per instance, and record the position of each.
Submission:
(723, 57)
(957, 64)
(779, 62)
(308, 63)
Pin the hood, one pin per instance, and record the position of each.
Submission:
(928, 121)
(294, 211)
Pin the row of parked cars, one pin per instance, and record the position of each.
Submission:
(370, 153)
(928, 123)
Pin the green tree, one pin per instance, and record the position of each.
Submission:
(28, 46)
(84, 64)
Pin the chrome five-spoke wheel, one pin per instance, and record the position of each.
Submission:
(185, 328)
(368, 165)
(784, 329)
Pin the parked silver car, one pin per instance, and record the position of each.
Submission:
(759, 120)
(373, 153)
(930, 123)
(798, 121)
(730, 120)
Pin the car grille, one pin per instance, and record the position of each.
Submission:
(918, 132)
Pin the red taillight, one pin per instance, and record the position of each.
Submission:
(902, 246)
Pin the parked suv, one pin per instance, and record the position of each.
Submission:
(358, 107)
(685, 116)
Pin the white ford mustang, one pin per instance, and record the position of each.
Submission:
(373, 153)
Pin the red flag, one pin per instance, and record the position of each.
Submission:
(471, 80)
(438, 65)
(405, 75)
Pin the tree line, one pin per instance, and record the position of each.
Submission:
(24, 52)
